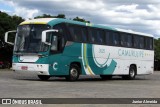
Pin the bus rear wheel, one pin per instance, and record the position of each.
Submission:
(73, 73)
(106, 77)
(43, 77)
(131, 75)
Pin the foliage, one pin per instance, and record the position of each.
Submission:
(61, 16)
(157, 49)
(81, 20)
(49, 16)
(7, 23)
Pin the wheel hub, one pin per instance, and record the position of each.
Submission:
(74, 72)
(132, 73)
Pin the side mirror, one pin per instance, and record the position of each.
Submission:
(7, 36)
(45, 34)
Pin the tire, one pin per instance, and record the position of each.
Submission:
(43, 77)
(74, 73)
(106, 77)
(131, 75)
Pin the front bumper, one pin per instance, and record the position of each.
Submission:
(39, 69)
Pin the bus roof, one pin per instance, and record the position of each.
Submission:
(37, 21)
(134, 32)
(59, 20)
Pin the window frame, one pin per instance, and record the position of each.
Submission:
(79, 26)
(152, 39)
(110, 35)
(90, 29)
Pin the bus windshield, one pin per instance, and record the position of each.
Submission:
(28, 38)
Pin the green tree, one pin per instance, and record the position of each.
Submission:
(44, 16)
(61, 16)
(157, 48)
(17, 20)
(50, 16)
(80, 19)
(7, 23)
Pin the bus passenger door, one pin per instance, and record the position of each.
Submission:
(56, 57)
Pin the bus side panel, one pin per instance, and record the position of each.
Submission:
(101, 60)
(125, 57)
(60, 63)
(96, 60)
(57, 65)
(112, 60)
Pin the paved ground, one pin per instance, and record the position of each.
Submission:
(20, 86)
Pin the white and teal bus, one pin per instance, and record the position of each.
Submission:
(64, 48)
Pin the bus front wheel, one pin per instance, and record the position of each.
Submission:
(73, 73)
(43, 77)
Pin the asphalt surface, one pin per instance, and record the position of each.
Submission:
(14, 85)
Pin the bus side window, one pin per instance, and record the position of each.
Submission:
(84, 34)
(96, 36)
(71, 29)
(136, 41)
(129, 41)
(100, 36)
(149, 43)
(62, 30)
(76, 33)
(141, 42)
(62, 36)
(91, 35)
(123, 40)
(126, 40)
(108, 38)
(54, 46)
(116, 39)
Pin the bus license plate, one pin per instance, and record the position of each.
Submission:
(24, 68)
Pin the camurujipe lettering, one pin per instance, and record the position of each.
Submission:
(130, 53)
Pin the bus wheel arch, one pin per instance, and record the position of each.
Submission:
(44, 77)
(135, 67)
(132, 72)
(74, 71)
